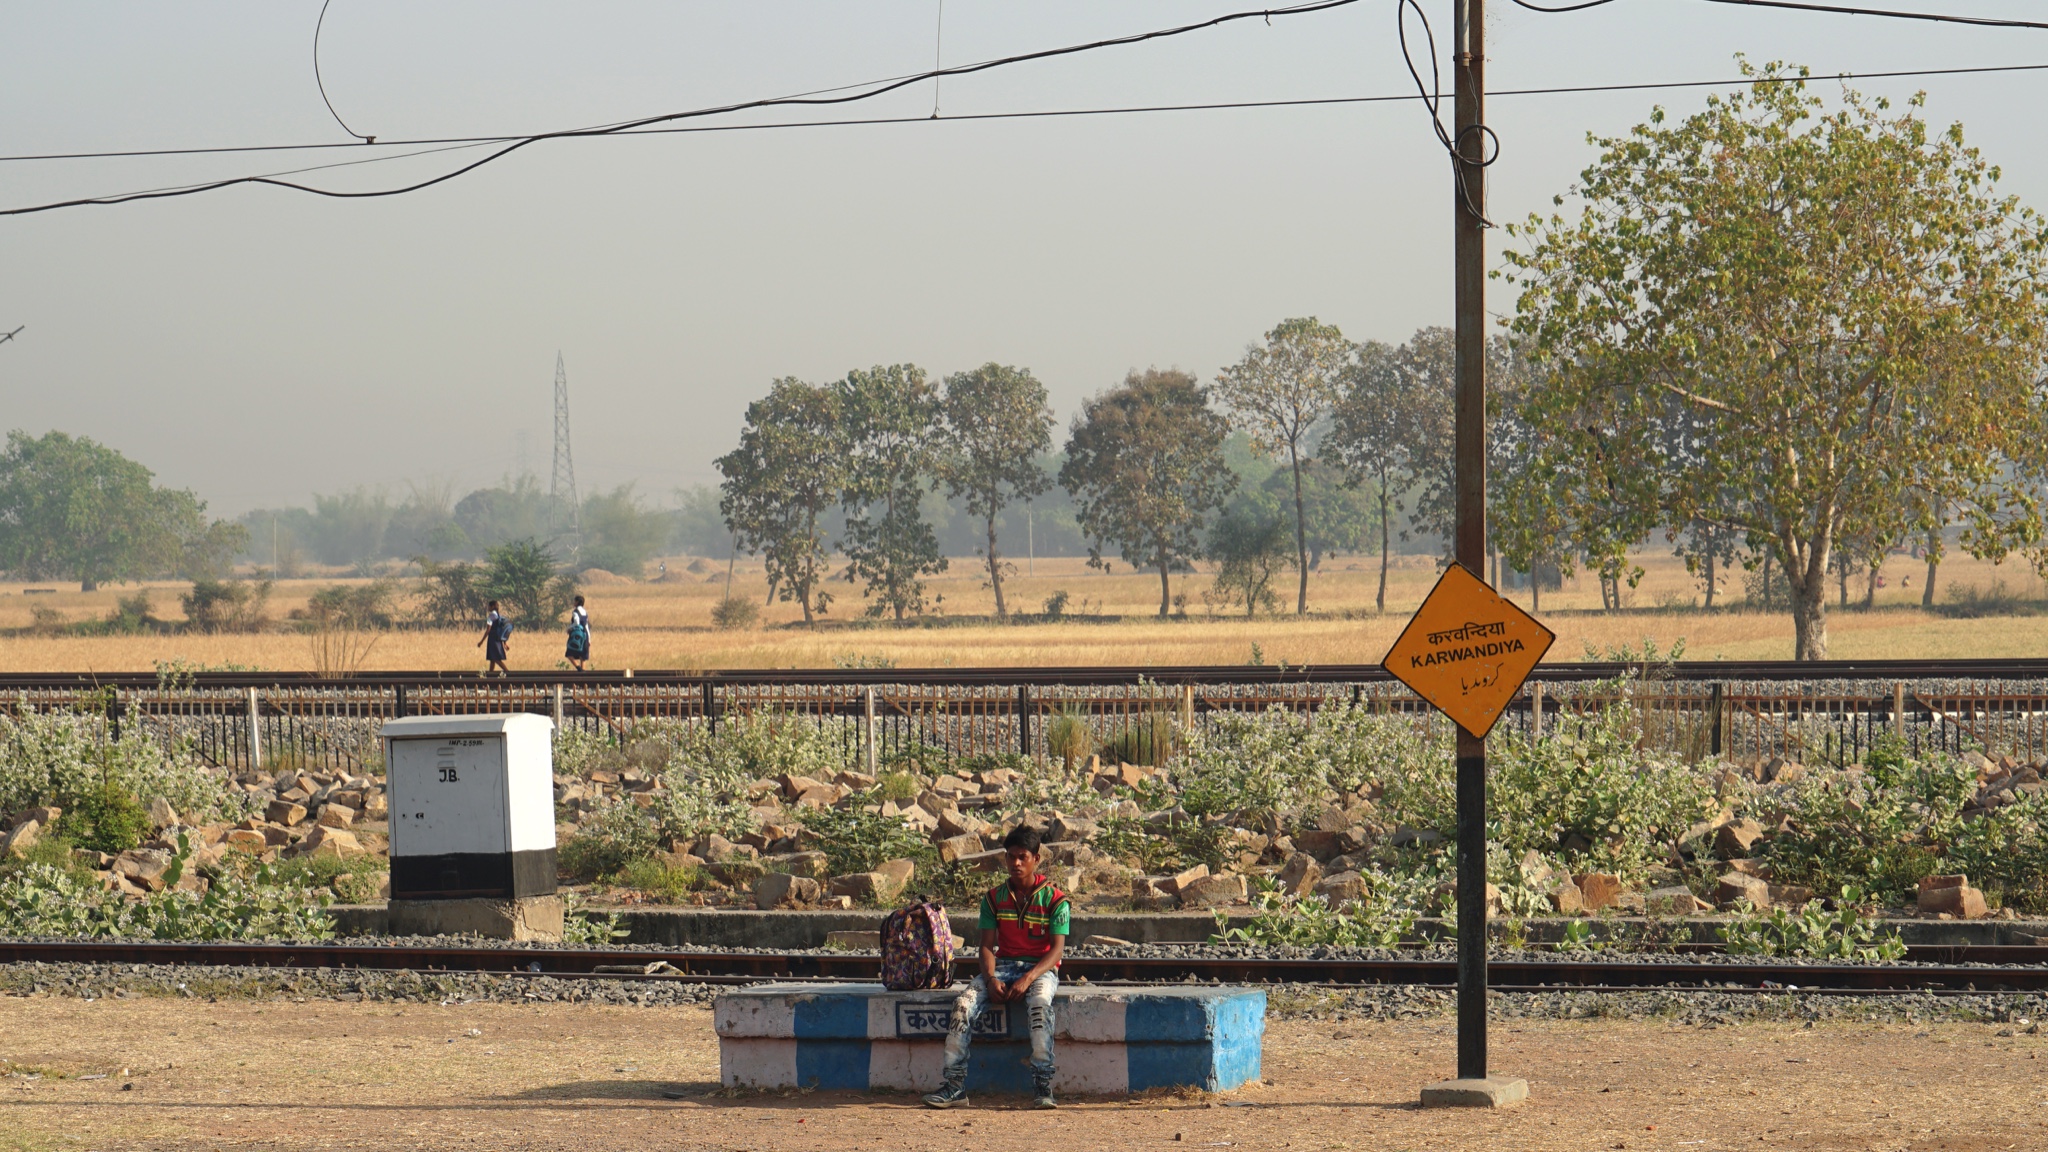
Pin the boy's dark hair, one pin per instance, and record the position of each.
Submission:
(579, 601)
(1024, 836)
(493, 605)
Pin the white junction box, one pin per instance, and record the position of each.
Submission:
(472, 806)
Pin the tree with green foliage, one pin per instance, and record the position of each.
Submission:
(890, 415)
(226, 605)
(1839, 307)
(1279, 392)
(1336, 517)
(1145, 467)
(1427, 370)
(1249, 545)
(698, 528)
(621, 534)
(425, 522)
(349, 527)
(997, 424)
(788, 471)
(514, 509)
(1368, 439)
(452, 594)
(73, 508)
(210, 555)
(524, 577)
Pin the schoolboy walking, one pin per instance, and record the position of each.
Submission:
(578, 652)
(496, 640)
(1024, 925)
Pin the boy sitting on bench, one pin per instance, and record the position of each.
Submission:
(1024, 924)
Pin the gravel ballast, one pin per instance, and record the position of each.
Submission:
(1285, 1001)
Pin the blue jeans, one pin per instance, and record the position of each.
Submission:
(1037, 1002)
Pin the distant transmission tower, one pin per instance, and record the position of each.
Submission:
(565, 515)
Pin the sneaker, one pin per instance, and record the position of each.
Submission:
(947, 1096)
(1045, 1099)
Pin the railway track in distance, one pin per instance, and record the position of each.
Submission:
(1938, 969)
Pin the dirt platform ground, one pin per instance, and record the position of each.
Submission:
(178, 1074)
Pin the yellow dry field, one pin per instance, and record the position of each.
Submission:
(190, 1075)
(667, 625)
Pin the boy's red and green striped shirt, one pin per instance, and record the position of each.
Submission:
(1024, 928)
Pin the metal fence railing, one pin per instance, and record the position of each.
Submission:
(1818, 713)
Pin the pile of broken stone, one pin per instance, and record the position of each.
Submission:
(778, 866)
(301, 814)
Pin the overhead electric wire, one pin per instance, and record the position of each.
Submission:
(871, 92)
(1223, 105)
(645, 126)
(1890, 13)
(1830, 9)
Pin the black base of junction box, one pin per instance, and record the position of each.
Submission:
(472, 875)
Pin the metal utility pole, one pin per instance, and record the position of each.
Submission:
(1473, 1088)
(565, 511)
(1469, 186)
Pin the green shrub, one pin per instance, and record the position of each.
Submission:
(610, 838)
(854, 839)
(66, 758)
(579, 752)
(1591, 784)
(365, 875)
(1846, 831)
(901, 787)
(1969, 602)
(1148, 740)
(53, 850)
(362, 886)
(708, 771)
(226, 606)
(106, 819)
(242, 902)
(1382, 920)
(735, 612)
(670, 883)
(1069, 737)
(2004, 852)
(1813, 932)
(1126, 840)
(578, 927)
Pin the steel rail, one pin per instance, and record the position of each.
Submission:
(1970, 969)
(1689, 671)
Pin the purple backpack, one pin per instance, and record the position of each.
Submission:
(917, 948)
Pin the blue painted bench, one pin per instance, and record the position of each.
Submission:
(1106, 1040)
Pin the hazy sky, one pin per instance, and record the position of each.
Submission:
(259, 345)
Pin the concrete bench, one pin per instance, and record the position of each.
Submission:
(1106, 1040)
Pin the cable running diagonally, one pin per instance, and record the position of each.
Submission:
(1832, 9)
(718, 110)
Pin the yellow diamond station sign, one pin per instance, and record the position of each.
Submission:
(1467, 650)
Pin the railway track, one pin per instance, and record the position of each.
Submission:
(1938, 969)
(1107, 675)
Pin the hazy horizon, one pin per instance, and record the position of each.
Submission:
(258, 345)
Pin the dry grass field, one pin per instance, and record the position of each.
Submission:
(1112, 621)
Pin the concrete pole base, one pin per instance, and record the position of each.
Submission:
(523, 918)
(1492, 1092)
